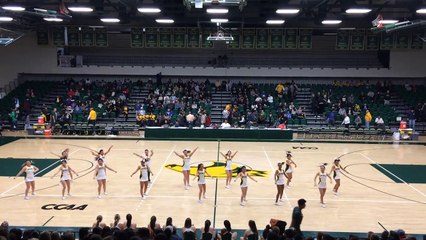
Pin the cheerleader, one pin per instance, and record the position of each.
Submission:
(143, 177)
(279, 181)
(100, 175)
(228, 168)
(147, 158)
(64, 154)
(101, 153)
(29, 171)
(244, 184)
(322, 183)
(186, 166)
(288, 168)
(335, 169)
(201, 175)
(66, 177)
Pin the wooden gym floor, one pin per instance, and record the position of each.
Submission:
(369, 194)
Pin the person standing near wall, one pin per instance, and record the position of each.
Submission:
(92, 119)
(367, 119)
(412, 119)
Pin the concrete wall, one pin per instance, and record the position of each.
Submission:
(25, 56)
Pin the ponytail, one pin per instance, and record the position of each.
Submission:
(128, 220)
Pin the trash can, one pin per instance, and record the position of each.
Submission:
(415, 136)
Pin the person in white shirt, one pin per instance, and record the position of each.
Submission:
(225, 124)
(346, 121)
(380, 124)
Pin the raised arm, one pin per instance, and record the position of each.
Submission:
(233, 155)
(192, 153)
(59, 156)
(137, 169)
(143, 158)
(94, 153)
(109, 149)
(151, 153)
(179, 155)
(223, 155)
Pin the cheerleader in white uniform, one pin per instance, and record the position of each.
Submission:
(64, 155)
(143, 177)
(288, 168)
(186, 166)
(147, 158)
(244, 184)
(100, 175)
(279, 181)
(322, 182)
(201, 175)
(29, 171)
(228, 168)
(335, 169)
(101, 154)
(66, 177)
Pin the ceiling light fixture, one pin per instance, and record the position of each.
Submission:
(219, 20)
(275, 21)
(164, 20)
(421, 11)
(287, 11)
(52, 19)
(6, 19)
(149, 10)
(80, 9)
(388, 21)
(110, 20)
(14, 8)
(331, 22)
(217, 10)
(358, 10)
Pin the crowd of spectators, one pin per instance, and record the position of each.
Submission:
(253, 107)
(179, 104)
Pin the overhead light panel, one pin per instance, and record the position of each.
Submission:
(421, 11)
(389, 21)
(287, 11)
(217, 10)
(331, 22)
(219, 20)
(52, 19)
(149, 10)
(275, 21)
(164, 20)
(358, 10)
(110, 20)
(80, 9)
(14, 8)
(6, 19)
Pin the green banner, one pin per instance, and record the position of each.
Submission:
(206, 32)
(58, 37)
(87, 39)
(416, 40)
(305, 38)
(249, 36)
(276, 38)
(402, 40)
(290, 38)
(101, 38)
(342, 40)
(357, 39)
(236, 34)
(74, 37)
(373, 41)
(262, 38)
(43, 37)
(151, 37)
(136, 38)
(166, 37)
(193, 38)
(179, 37)
(386, 41)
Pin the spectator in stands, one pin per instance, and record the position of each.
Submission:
(367, 119)
(412, 119)
(92, 119)
(357, 122)
(342, 111)
(280, 90)
(297, 217)
(190, 118)
(225, 124)
(13, 119)
(188, 230)
(357, 109)
(380, 124)
(331, 117)
(226, 233)
(346, 122)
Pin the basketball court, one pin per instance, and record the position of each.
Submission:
(386, 183)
